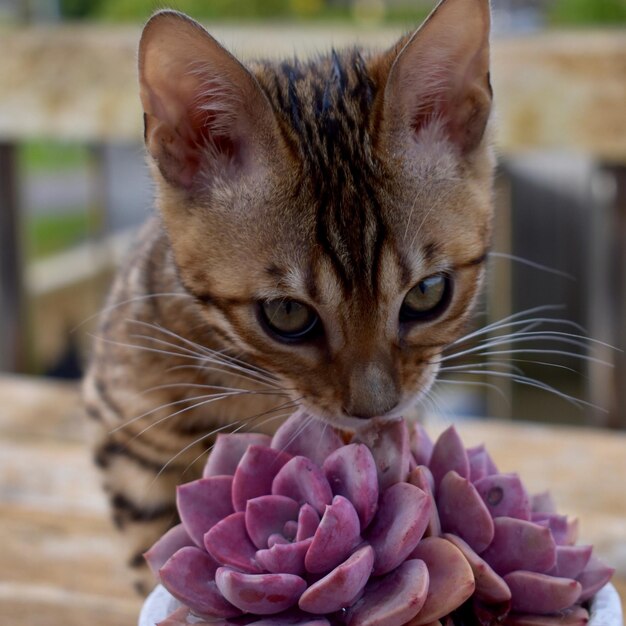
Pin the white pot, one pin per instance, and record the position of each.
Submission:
(606, 608)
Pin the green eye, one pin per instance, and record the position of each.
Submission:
(289, 319)
(427, 299)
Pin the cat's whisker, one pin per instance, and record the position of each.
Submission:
(242, 426)
(577, 355)
(206, 367)
(503, 364)
(505, 321)
(515, 338)
(533, 264)
(203, 350)
(261, 379)
(107, 309)
(202, 386)
(476, 383)
(213, 432)
(174, 403)
(531, 323)
(532, 382)
(299, 431)
(133, 346)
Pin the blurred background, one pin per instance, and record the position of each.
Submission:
(73, 183)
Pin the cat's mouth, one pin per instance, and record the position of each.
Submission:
(405, 408)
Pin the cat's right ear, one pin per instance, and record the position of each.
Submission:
(204, 112)
(440, 76)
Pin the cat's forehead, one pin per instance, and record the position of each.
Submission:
(324, 105)
(325, 108)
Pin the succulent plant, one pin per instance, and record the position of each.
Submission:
(384, 530)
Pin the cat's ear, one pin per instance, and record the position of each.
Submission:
(204, 112)
(441, 75)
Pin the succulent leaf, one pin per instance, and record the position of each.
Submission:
(388, 442)
(420, 444)
(308, 521)
(189, 577)
(490, 588)
(202, 503)
(335, 537)
(255, 473)
(394, 599)
(261, 594)
(541, 593)
(342, 586)
(304, 435)
(267, 515)
(520, 545)
(400, 523)
(449, 454)
(303, 481)
(463, 512)
(228, 450)
(451, 579)
(285, 557)
(595, 575)
(351, 472)
(172, 541)
(228, 543)
(504, 496)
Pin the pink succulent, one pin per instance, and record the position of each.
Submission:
(387, 530)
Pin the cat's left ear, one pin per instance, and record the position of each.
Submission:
(441, 75)
(205, 114)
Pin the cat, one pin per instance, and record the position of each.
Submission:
(321, 236)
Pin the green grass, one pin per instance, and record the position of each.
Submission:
(51, 156)
(48, 234)
(587, 12)
(559, 12)
(238, 10)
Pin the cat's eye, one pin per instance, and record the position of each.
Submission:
(289, 319)
(427, 300)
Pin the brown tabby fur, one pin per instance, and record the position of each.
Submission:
(345, 207)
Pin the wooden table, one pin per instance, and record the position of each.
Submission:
(59, 562)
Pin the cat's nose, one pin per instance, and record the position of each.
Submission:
(373, 391)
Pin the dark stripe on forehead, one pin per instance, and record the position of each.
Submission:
(328, 105)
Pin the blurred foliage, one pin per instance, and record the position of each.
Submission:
(559, 12)
(587, 12)
(51, 156)
(229, 10)
(48, 234)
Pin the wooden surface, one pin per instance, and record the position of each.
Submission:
(59, 562)
(555, 90)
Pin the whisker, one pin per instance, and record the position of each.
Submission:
(130, 301)
(206, 357)
(213, 432)
(174, 403)
(245, 423)
(532, 382)
(202, 386)
(515, 339)
(533, 264)
(532, 322)
(447, 381)
(204, 350)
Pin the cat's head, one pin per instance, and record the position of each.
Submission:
(333, 215)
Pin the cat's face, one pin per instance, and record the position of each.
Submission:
(332, 216)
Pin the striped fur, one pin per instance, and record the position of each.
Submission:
(326, 198)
